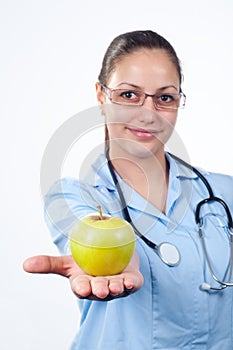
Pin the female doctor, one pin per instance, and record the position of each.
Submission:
(176, 295)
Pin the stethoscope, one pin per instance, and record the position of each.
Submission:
(168, 252)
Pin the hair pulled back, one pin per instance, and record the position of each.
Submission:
(130, 42)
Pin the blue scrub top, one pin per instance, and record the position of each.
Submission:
(170, 311)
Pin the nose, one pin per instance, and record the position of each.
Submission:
(148, 112)
(149, 102)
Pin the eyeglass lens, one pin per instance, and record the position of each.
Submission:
(132, 97)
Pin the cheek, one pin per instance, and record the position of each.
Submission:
(169, 122)
(118, 114)
(115, 130)
(170, 117)
(113, 120)
(117, 118)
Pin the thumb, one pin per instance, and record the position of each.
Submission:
(48, 264)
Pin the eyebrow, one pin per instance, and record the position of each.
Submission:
(133, 85)
(139, 87)
(169, 86)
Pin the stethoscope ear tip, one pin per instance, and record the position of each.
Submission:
(205, 286)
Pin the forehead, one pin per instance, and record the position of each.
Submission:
(143, 65)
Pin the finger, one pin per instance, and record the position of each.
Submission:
(99, 286)
(81, 286)
(130, 283)
(48, 264)
(116, 286)
(134, 281)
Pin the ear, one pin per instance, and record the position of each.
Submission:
(101, 98)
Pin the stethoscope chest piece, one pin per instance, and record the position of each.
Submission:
(168, 253)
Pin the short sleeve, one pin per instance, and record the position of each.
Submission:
(67, 201)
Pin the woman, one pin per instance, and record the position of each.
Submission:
(151, 305)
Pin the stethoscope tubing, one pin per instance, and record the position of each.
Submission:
(223, 283)
(167, 252)
(211, 198)
(124, 206)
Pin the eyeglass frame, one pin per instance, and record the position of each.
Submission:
(181, 94)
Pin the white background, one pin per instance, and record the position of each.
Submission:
(51, 52)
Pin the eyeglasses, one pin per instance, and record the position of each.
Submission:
(130, 97)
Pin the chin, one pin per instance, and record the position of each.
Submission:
(143, 152)
(124, 148)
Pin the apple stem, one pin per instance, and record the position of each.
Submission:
(100, 212)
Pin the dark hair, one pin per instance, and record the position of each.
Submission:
(130, 42)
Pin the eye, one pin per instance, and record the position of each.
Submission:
(129, 95)
(168, 101)
(167, 98)
(126, 97)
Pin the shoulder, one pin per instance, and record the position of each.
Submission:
(67, 201)
(71, 193)
(66, 187)
(63, 185)
(221, 184)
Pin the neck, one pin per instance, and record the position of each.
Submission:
(148, 176)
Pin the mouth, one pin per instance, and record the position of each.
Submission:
(142, 133)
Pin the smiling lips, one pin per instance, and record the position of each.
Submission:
(143, 134)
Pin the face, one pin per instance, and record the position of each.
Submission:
(141, 130)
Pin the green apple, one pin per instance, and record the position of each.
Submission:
(102, 245)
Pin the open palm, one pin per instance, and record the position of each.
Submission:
(85, 286)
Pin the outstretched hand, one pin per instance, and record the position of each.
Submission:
(85, 286)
